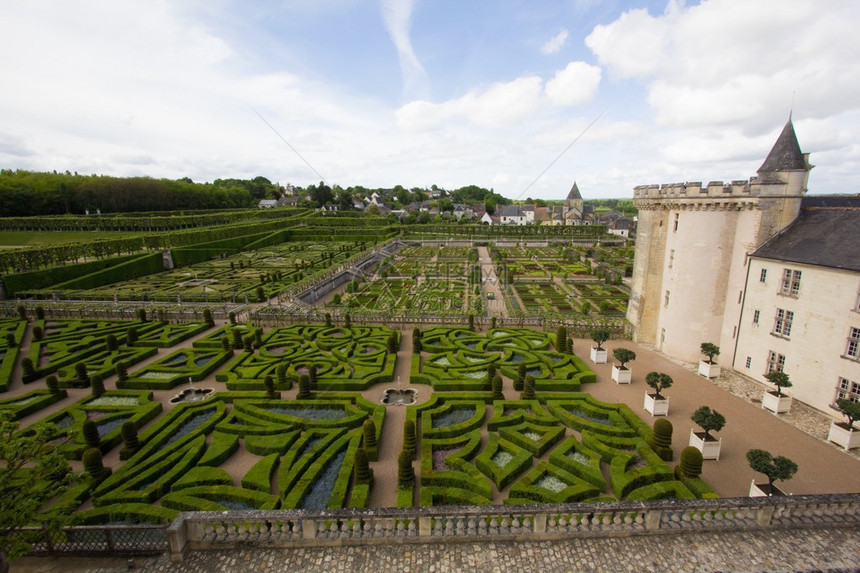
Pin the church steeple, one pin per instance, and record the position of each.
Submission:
(574, 192)
(785, 154)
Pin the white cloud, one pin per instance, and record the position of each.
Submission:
(634, 45)
(554, 44)
(575, 84)
(397, 15)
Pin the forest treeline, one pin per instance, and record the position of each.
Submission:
(29, 193)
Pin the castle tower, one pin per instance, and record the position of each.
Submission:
(692, 244)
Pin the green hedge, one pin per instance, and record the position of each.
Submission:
(503, 476)
(202, 475)
(43, 279)
(136, 267)
(219, 451)
(259, 477)
(26, 404)
(125, 512)
(206, 498)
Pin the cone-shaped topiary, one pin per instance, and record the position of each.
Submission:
(38, 333)
(328, 319)
(661, 439)
(521, 377)
(207, 317)
(131, 335)
(10, 340)
(304, 387)
(92, 459)
(91, 434)
(392, 343)
(232, 315)
(361, 469)
(281, 373)
(405, 473)
(347, 320)
(370, 445)
(493, 322)
(141, 314)
(238, 343)
(52, 384)
(471, 321)
(226, 345)
(569, 346)
(129, 436)
(312, 376)
(258, 338)
(248, 343)
(498, 393)
(416, 344)
(691, 462)
(97, 384)
(409, 437)
(22, 312)
(40, 313)
(269, 383)
(112, 343)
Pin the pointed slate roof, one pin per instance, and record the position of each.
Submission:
(785, 154)
(574, 192)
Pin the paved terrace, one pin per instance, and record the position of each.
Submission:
(799, 435)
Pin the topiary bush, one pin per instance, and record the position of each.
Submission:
(405, 473)
(691, 462)
(97, 385)
(112, 343)
(304, 388)
(661, 439)
(361, 469)
(131, 336)
(207, 317)
(498, 393)
(370, 446)
(91, 434)
(409, 437)
(92, 459)
(53, 384)
(38, 333)
(121, 371)
(528, 392)
(28, 372)
(130, 438)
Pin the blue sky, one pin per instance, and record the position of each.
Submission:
(422, 92)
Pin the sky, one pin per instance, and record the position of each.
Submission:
(522, 96)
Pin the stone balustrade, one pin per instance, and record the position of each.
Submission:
(289, 528)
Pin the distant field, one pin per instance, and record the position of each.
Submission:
(32, 238)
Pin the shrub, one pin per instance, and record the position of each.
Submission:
(141, 314)
(691, 462)
(709, 420)
(40, 313)
(248, 343)
(22, 312)
(97, 384)
(623, 356)
(281, 373)
(52, 384)
(38, 333)
(131, 336)
(93, 465)
(392, 343)
(405, 473)
(226, 345)
(81, 372)
(775, 468)
(328, 319)
(237, 339)
(28, 372)
(498, 393)
(416, 344)
(521, 377)
(304, 388)
(409, 437)
(129, 436)
(528, 392)
(111, 343)
(561, 339)
(779, 379)
(710, 350)
(850, 410)
(361, 468)
(569, 346)
(10, 340)
(312, 376)
(371, 447)
(121, 371)
(232, 317)
(207, 317)
(661, 439)
(347, 320)
(270, 386)
(658, 381)
(599, 336)
(91, 434)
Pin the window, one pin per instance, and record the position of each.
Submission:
(749, 362)
(666, 300)
(763, 276)
(790, 282)
(677, 217)
(782, 323)
(775, 362)
(756, 315)
(852, 349)
(847, 390)
(671, 258)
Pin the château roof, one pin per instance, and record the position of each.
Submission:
(785, 154)
(826, 234)
(574, 192)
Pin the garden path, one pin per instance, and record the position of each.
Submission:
(490, 284)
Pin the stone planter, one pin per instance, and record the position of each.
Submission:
(761, 490)
(598, 356)
(841, 435)
(620, 376)
(709, 369)
(776, 404)
(710, 449)
(655, 406)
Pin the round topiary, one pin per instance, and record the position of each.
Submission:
(281, 373)
(38, 333)
(661, 439)
(269, 383)
(92, 459)
(91, 434)
(405, 473)
(28, 372)
(528, 392)
(361, 467)
(691, 462)
(121, 371)
(81, 372)
(111, 343)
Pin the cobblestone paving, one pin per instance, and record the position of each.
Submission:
(806, 550)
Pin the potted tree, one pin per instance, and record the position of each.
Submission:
(776, 401)
(710, 421)
(656, 403)
(844, 433)
(598, 353)
(620, 373)
(708, 368)
(774, 468)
